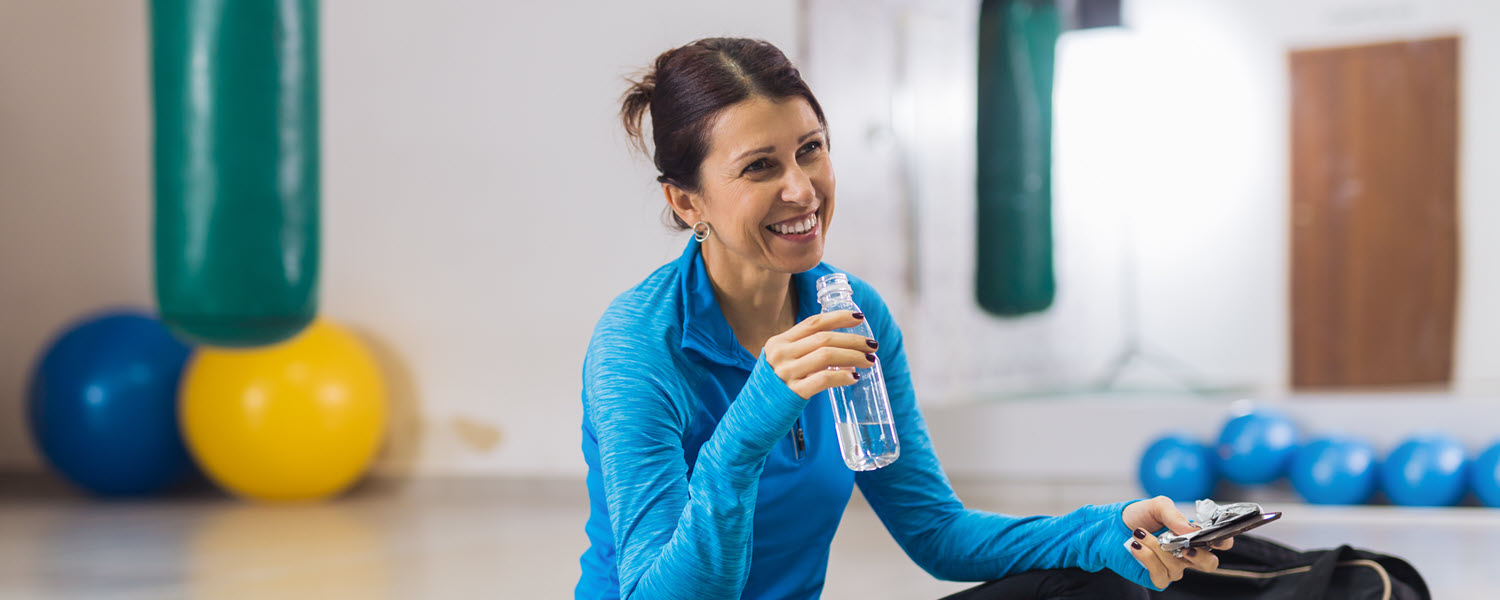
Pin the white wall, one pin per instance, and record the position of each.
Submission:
(480, 204)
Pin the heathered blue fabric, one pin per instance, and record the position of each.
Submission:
(696, 491)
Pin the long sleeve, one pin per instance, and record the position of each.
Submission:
(916, 502)
(679, 537)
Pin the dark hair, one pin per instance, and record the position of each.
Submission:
(687, 87)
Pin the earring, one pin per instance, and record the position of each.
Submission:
(701, 231)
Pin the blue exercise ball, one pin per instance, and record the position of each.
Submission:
(1256, 448)
(1426, 470)
(1485, 476)
(1335, 470)
(1178, 467)
(102, 405)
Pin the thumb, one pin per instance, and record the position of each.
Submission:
(1173, 519)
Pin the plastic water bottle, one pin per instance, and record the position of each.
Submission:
(861, 410)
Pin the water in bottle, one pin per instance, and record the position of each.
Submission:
(862, 410)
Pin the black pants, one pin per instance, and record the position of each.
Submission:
(1055, 583)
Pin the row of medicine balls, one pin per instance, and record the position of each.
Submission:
(1260, 446)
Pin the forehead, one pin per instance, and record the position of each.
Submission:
(758, 122)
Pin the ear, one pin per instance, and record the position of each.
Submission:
(687, 206)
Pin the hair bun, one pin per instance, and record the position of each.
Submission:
(634, 105)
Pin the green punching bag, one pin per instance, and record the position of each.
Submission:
(1017, 45)
(235, 96)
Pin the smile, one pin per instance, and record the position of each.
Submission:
(796, 227)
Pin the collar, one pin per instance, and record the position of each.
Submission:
(704, 329)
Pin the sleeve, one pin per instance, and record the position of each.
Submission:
(916, 502)
(677, 537)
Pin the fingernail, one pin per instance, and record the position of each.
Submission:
(873, 344)
(1192, 552)
(1135, 545)
(870, 357)
(856, 375)
(859, 315)
(1140, 534)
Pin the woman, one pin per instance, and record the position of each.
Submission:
(714, 470)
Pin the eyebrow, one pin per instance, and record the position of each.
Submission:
(770, 148)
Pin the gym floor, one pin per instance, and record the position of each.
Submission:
(521, 539)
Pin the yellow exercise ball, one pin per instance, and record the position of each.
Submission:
(298, 420)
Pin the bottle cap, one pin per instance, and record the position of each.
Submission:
(833, 283)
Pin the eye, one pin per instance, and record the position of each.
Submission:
(760, 164)
(810, 148)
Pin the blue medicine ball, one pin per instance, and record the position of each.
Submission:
(1256, 448)
(1178, 467)
(102, 405)
(1426, 470)
(1485, 476)
(1335, 470)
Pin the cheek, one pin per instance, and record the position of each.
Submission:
(824, 180)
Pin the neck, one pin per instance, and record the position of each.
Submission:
(756, 302)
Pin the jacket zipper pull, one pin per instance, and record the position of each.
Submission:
(798, 444)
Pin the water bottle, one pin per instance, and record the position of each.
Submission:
(861, 410)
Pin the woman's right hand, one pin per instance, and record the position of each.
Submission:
(802, 355)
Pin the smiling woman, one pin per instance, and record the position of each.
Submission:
(713, 471)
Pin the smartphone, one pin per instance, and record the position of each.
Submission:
(1235, 519)
(1219, 532)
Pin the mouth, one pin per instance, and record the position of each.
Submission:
(796, 229)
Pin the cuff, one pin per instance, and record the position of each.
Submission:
(1106, 545)
(764, 411)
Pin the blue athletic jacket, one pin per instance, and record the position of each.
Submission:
(697, 489)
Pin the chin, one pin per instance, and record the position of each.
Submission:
(808, 263)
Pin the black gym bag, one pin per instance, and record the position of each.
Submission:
(1257, 568)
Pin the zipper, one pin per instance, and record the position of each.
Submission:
(799, 445)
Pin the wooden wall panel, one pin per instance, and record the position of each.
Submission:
(1374, 214)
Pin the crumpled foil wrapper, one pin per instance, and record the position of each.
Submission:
(1209, 514)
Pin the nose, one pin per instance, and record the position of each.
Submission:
(798, 187)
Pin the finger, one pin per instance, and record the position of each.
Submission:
(1224, 544)
(1167, 514)
(823, 339)
(821, 359)
(1158, 571)
(1201, 559)
(1174, 565)
(809, 386)
(828, 321)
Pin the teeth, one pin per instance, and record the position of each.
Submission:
(797, 228)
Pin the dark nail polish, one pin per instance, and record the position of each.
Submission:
(1135, 544)
(870, 357)
(1192, 552)
(859, 315)
(856, 375)
(873, 344)
(1140, 534)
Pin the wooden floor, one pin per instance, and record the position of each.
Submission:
(521, 539)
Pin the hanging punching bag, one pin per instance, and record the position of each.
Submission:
(235, 97)
(1017, 43)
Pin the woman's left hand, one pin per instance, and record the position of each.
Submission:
(1147, 516)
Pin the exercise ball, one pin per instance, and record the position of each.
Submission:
(1256, 447)
(1485, 476)
(299, 420)
(1178, 467)
(1335, 470)
(102, 405)
(1426, 470)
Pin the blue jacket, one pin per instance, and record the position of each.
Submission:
(698, 491)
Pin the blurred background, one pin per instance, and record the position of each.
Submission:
(1267, 205)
